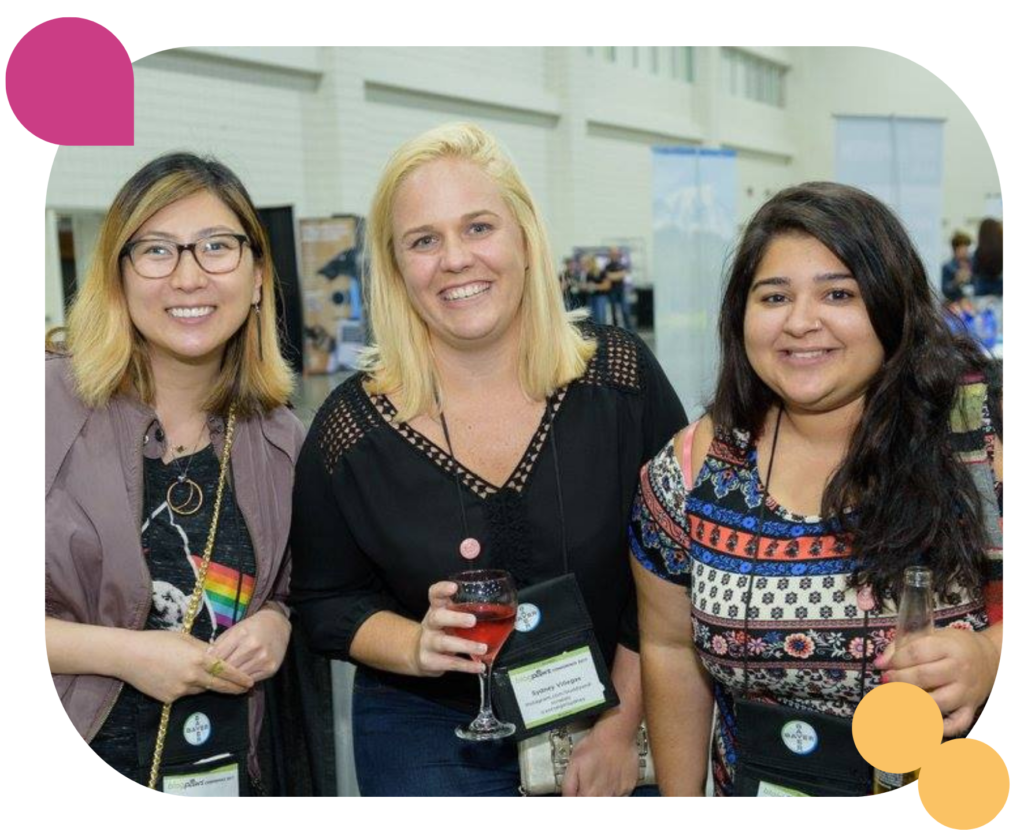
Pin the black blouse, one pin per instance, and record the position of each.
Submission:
(376, 517)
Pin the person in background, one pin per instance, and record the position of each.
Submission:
(597, 286)
(957, 272)
(615, 276)
(988, 259)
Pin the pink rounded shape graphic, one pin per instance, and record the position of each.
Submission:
(70, 82)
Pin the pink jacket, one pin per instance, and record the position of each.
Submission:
(95, 572)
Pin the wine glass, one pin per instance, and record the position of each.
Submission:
(490, 596)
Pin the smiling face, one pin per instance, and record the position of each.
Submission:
(806, 328)
(189, 316)
(460, 252)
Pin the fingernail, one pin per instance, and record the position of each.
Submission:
(481, 648)
(885, 678)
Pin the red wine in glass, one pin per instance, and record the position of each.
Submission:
(491, 597)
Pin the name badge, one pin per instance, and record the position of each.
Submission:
(769, 790)
(222, 781)
(557, 687)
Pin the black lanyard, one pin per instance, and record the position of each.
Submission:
(748, 595)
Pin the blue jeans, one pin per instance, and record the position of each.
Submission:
(618, 305)
(406, 745)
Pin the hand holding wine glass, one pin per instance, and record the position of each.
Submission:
(490, 596)
(437, 650)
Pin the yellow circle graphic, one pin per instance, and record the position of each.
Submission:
(964, 784)
(896, 727)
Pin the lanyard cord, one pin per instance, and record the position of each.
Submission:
(757, 556)
(753, 573)
(455, 476)
(549, 417)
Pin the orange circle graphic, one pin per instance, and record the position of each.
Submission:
(896, 727)
(964, 784)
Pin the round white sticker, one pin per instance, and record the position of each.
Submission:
(799, 737)
(527, 617)
(197, 729)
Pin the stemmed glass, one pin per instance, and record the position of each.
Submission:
(490, 596)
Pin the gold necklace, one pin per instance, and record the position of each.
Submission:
(190, 504)
(197, 592)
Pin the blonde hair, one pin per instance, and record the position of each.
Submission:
(552, 350)
(109, 355)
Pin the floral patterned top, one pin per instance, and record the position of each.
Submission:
(809, 636)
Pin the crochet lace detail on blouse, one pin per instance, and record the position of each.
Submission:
(617, 360)
(345, 418)
(473, 482)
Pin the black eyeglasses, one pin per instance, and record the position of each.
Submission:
(155, 259)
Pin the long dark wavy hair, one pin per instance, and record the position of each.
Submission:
(912, 499)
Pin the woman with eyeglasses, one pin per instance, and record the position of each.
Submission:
(169, 462)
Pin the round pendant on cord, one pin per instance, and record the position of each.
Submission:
(469, 548)
(190, 505)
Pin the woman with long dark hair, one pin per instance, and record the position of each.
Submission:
(851, 435)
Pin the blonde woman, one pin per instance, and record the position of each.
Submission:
(167, 435)
(485, 414)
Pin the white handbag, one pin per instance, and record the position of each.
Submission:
(543, 759)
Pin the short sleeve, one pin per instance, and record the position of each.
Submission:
(658, 535)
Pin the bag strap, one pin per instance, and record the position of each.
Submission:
(197, 593)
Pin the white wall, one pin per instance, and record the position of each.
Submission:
(185, 103)
(312, 126)
(832, 82)
(54, 286)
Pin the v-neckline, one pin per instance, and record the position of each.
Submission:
(516, 482)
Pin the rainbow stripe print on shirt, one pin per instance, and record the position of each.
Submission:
(226, 597)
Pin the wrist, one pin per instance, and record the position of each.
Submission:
(276, 607)
(268, 613)
(123, 653)
(413, 666)
(990, 651)
(615, 726)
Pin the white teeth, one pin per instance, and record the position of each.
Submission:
(465, 291)
(812, 354)
(194, 312)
